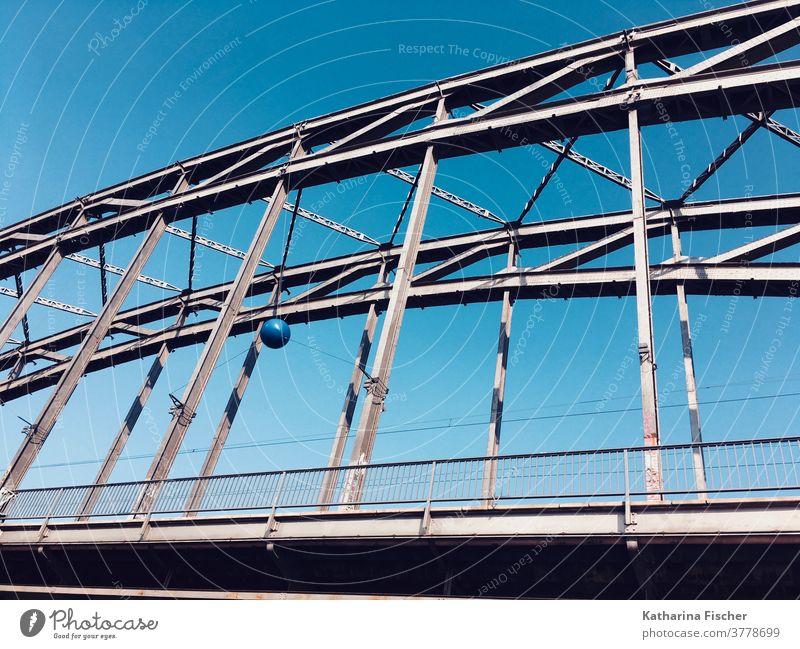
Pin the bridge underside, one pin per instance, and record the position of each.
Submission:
(669, 550)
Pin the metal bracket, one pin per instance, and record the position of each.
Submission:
(644, 353)
(30, 431)
(377, 388)
(630, 99)
(180, 410)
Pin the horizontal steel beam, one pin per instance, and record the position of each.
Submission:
(459, 251)
(698, 279)
(683, 99)
(652, 42)
(737, 521)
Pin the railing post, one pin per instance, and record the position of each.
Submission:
(278, 493)
(698, 461)
(426, 517)
(154, 488)
(489, 484)
(628, 516)
(89, 502)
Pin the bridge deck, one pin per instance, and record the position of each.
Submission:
(570, 550)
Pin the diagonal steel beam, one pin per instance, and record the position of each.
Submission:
(572, 73)
(547, 178)
(195, 498)
(589, 252)
(37, 434)
(329, 223)
(689, 373)
(378, 386)
(499, 389)
(329, 479)
(54, 257)
(186, 407)
(596, 167)
(111, 268)
(449, 197)
(722, 158)
(53, 304)
(760, 247)
(254, 160)
(124, 433)
(567, 149)
(461, 260)
(388, 123)
(213, 245)
(772, 125)
(749, 52)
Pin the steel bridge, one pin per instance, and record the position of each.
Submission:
(700, 518)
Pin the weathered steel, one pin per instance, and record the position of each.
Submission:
(37, 433)
(390, 332)
(688, 367)
(644, 304)
(184, 412)
(54, 255)
(350, 401)
(124, 433)
(499, 388)
(195, 499)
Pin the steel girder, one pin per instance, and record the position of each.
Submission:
(519, 110)
(684, 98)
(652, 42)
(466, 249)
(698, 279)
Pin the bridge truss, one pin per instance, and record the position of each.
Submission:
(406, 135)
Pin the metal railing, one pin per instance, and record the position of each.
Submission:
(733, 469)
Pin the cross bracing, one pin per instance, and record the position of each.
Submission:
(512, 105)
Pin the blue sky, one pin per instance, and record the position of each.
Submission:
(85, 103)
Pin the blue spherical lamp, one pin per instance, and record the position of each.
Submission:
(275, 333)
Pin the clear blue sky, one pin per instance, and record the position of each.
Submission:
(84, 104)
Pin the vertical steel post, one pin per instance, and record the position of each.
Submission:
(498, 392)
(129, 423)
(350, 401)
(46, 271)
(688, 367)
(184, 413)
(390, 332)
(627, 481)
(644, 310)
(37, 433)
